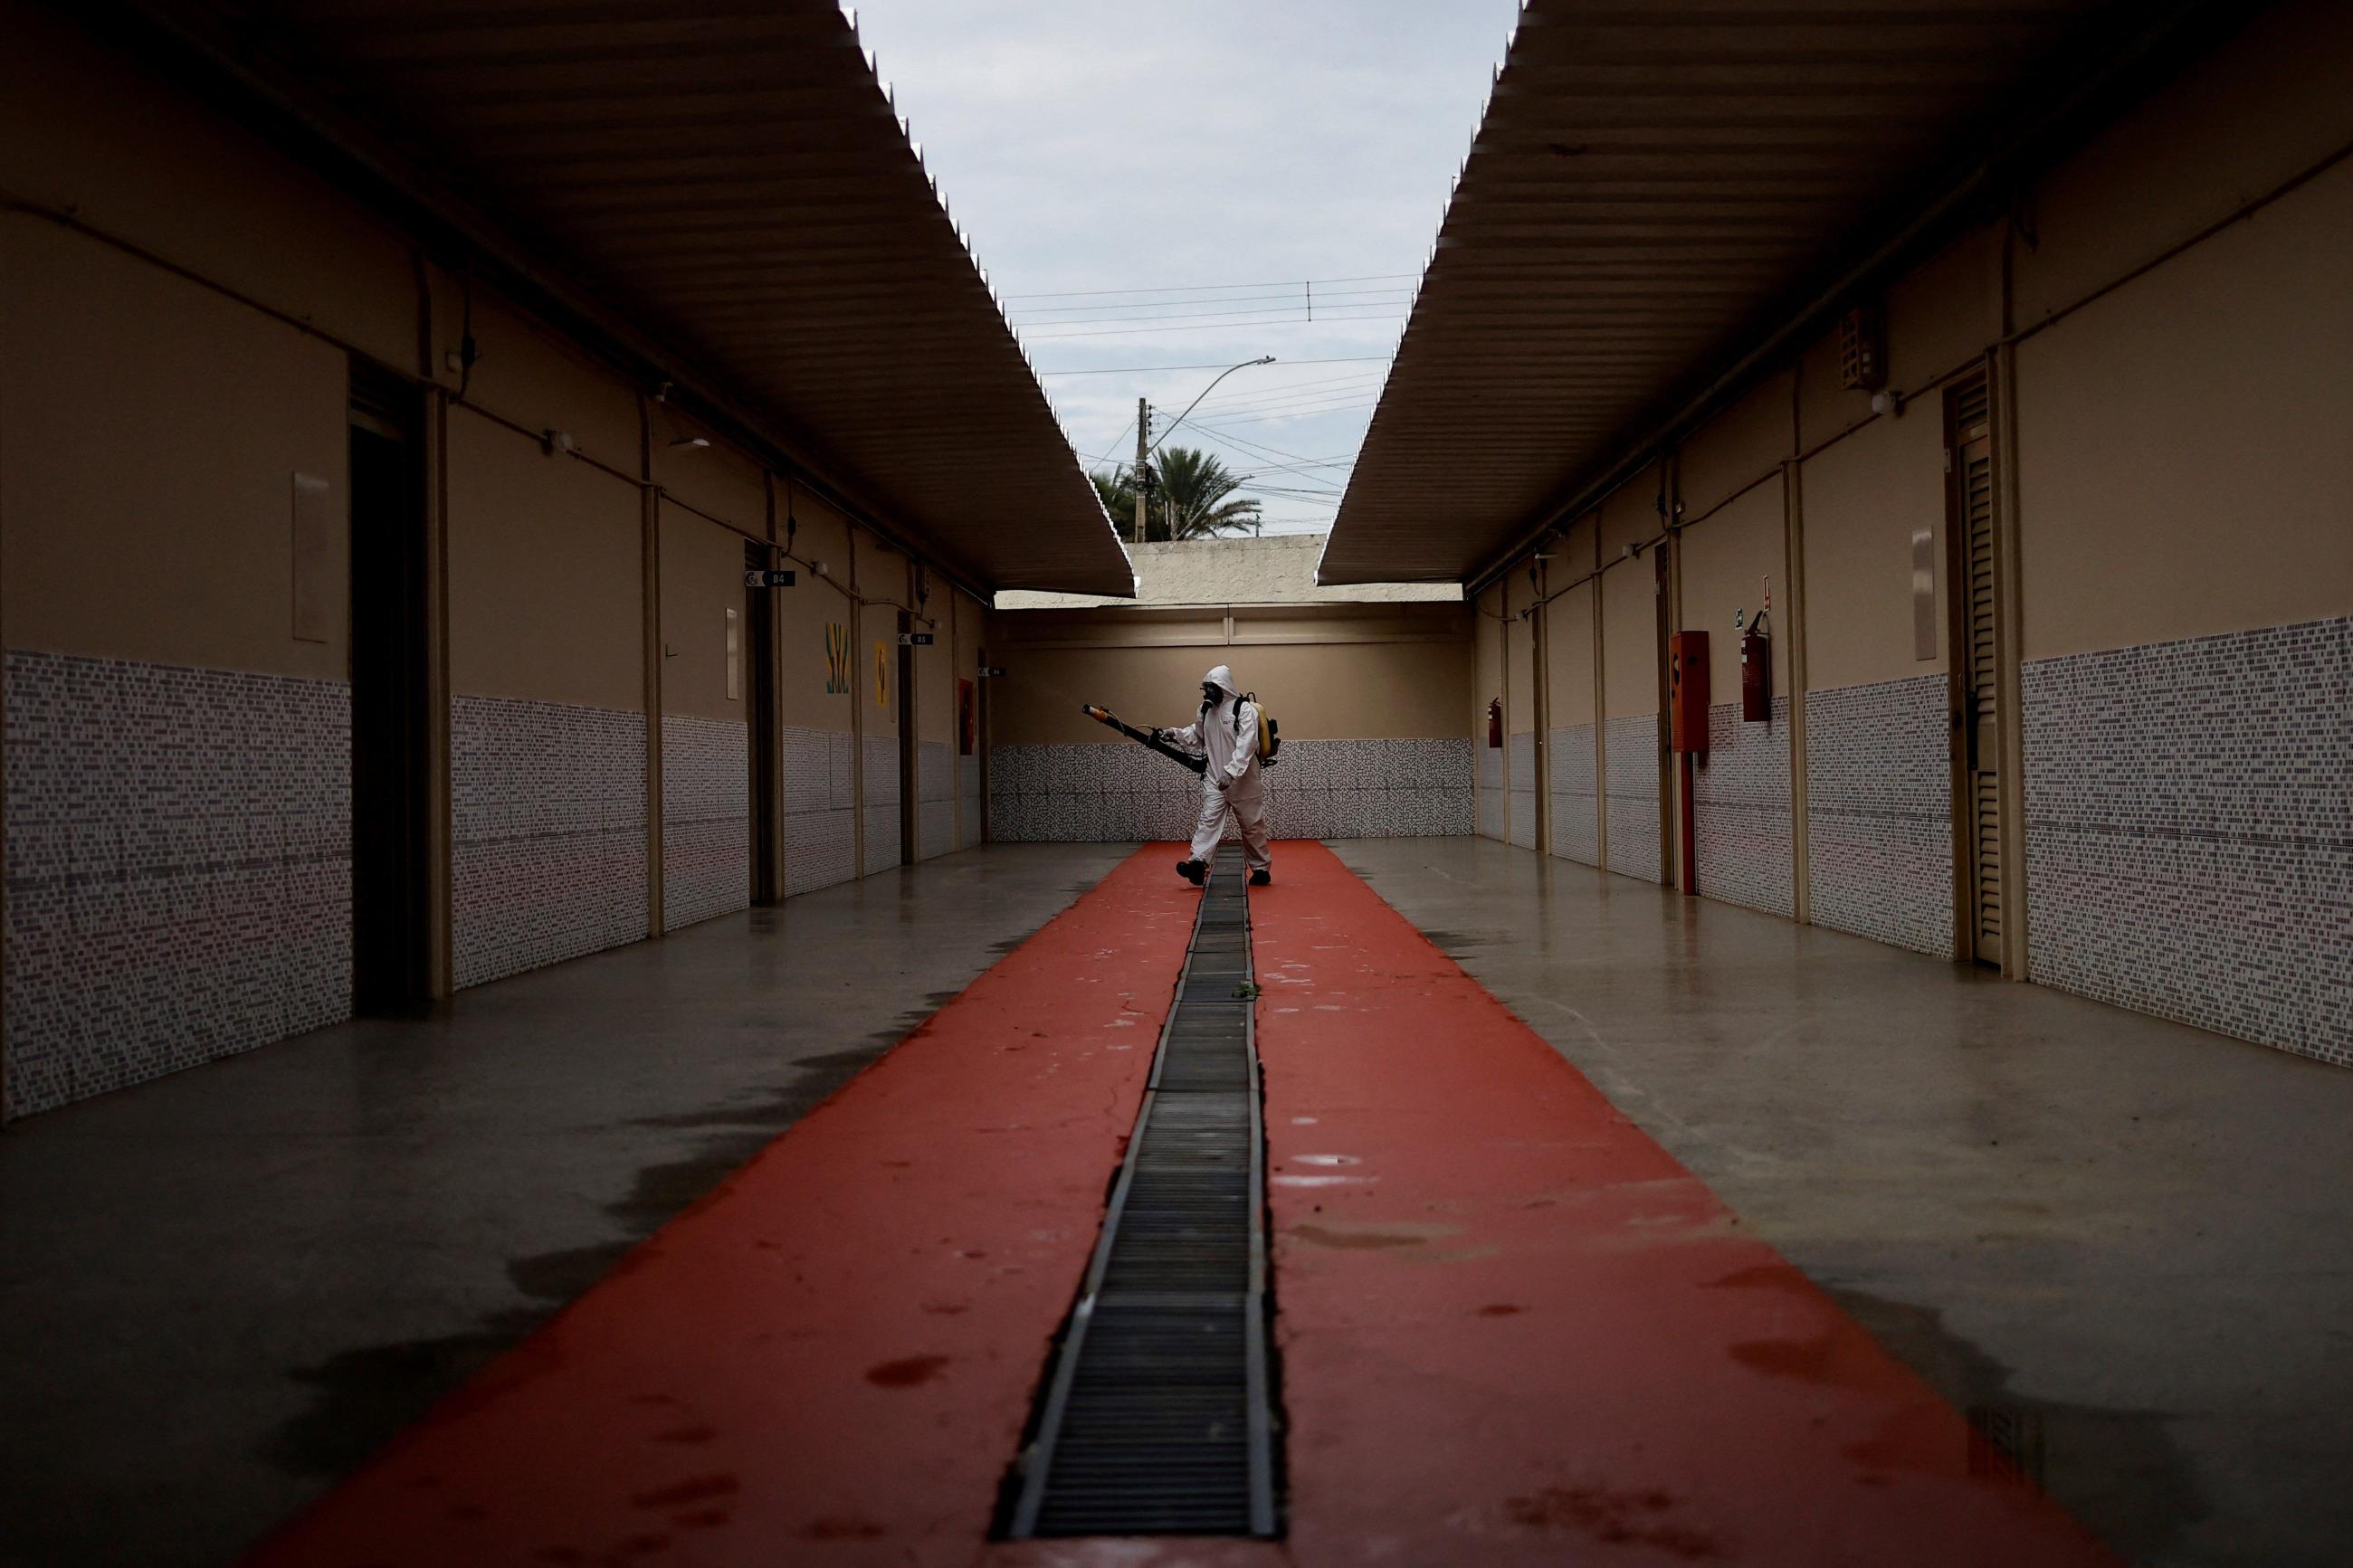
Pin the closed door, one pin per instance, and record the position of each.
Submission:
(1976, 667)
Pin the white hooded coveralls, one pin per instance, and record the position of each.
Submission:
(1232, 751)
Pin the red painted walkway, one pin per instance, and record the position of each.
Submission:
(1514, 1331)
(830, 1359)
(1512, 1328)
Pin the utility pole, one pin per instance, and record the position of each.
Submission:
(1142, 456)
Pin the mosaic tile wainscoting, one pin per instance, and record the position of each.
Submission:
(1575, 797)
(1114, 792)
(936, 815)
(820, 809)
(972, 820)
(548, 806)
(881, 804)
(1488, 784)
(2189, 831)
(1632, 757)
(1879, 810)
(1519, 762)
(178, 873)
(1742, 812)
(706, 819)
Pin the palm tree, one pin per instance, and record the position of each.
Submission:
(1189, 485)
(1195, 489)
(1118, 493)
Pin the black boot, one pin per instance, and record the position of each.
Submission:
(1263, 877)
(1194, 871)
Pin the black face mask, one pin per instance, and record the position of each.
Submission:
(1210, 693)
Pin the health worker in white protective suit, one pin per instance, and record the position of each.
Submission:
(1227, 729)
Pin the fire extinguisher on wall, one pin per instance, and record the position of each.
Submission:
(1757, 666)
(1495, 723)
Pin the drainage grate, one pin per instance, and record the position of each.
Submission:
(1158, 1419)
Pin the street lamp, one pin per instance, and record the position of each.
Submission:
(1144, 455)
(1266, 359)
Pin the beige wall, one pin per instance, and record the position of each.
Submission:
(716, 480)
(2267, 105)
(1630, 633)
(1328, 691)
(1519, 648)
(2185, 460)
(882, 583)
(1629, 515)
(86, 129)
(1736, 448)
(1941, 317)
(1723, 559)
(153, 432)
(1568, 655)
(1865, 496)
(545, 573)
(702, 583)
(935, 666)
(805, 610)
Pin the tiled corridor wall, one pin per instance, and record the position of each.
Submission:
(1520, 759)
(1488, 762)
(881, 804)
(972, 821)
(548, 817)
(706, 819)
(178, 872)
(936, 819)
(1575, 801)
(1741, 810)
(2189, 831)
(1631, 758)
(1879, 810)
(820, 809)
(1319, 789)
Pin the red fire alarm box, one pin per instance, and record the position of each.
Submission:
(1495, 723)
(1687, 691)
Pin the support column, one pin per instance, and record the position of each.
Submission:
(650, 581)
(1793, 594)
(1600, 708)
(2017, 907)
(858, 678)
(441, 832)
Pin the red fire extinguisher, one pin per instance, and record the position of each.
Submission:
(1757, 666)
(1495, 723)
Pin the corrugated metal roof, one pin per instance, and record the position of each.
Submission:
(1654, 187)
(730, 179)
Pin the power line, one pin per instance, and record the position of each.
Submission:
(1292, 296)
(1213, 315)
(1151, 369)
(1306, 391)
(1206, 288)
(1205, 325)
(1267, 451)
(1339, 407)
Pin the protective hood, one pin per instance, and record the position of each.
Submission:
(1223, 679)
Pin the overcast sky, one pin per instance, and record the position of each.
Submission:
(1158, 187)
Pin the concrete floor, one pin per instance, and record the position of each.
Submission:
(221, 1290)
(2132, 1237)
